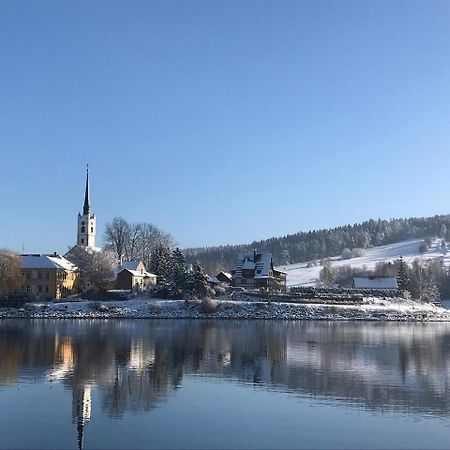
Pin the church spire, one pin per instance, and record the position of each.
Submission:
(86, 206)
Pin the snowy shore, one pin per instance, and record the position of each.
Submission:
(371, 309)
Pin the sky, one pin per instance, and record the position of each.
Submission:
(221, 121)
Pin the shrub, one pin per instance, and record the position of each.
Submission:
(154, 308)
(208, 306)
(346, 254)
(99, 307)
(358, 252)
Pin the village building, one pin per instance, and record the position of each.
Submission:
(224, 277)
(375, 283)
(132, 275)
(48, 276)
(257, 272)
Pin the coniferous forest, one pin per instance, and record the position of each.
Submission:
(318, 244)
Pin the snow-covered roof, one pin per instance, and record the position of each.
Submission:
(213, 280)
(248, 265)
(375, 283)
(40, 261)
(138, 273)
(228, 275)
(259, 262)
(130, 265)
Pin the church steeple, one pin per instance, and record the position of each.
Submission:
(86, 221)
(86, 206)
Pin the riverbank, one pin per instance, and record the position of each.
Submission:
(371, 309)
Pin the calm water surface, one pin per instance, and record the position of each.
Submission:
(223, 384)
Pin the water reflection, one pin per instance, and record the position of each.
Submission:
(136, 365)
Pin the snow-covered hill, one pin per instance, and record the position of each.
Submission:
(301, 275)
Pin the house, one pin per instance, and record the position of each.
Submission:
(257, 272)
(220, 278)
(375, 283)
(48, 276)
(224, 277)
(132, 275)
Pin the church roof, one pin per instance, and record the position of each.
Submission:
(86, 206)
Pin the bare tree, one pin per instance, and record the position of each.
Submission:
(117, 234)
(10, 271)
(97, 267)
(135, 240)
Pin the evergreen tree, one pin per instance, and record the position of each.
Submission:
(160, 262)
(196, 282)
(179, 273)
(402, 275)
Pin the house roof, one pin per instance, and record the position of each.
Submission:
(42, 261)
(226, 274)
(213, 280)
(138, 273)
(260, 262)
(375, 283)
(131, 265)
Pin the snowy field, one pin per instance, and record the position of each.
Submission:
(300, 275)
(143, 308)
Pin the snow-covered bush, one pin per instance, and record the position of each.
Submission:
(154, 308)
(208, 306)
(358, 252)
(346, 254)
(99, 307)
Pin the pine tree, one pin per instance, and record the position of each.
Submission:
(197, 284)
(179, 273)
(160, 263)
(402, 276)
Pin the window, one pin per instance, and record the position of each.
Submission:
(28, 288)
(46, 289)
(83, 223)
(47, 275)
(40, 275)
(40, 289)
(258, 271)
(83, 229)
(28, 275)
(82, 241)
(92, 229)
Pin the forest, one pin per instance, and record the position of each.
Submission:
(319, 244)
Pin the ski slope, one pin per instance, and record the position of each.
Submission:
(301, 275)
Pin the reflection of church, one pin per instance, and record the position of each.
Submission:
(81, 409)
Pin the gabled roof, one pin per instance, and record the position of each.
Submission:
(131, 265)
(226, 274)
(138, 273)
(375, 283)
(42, 261)
(259, 262)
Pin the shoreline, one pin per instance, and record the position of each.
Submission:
(371, 309)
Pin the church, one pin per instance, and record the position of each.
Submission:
(86, 221)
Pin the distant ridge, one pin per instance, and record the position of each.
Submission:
(318, 244)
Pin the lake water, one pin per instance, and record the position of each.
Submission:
(223, 384)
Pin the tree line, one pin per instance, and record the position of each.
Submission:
(319, 244)
(423, 281)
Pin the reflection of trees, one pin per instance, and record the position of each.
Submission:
(135, 365)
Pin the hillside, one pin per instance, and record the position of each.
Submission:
(302, 275)
(318, 244)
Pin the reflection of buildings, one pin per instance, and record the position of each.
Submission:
(137, 365)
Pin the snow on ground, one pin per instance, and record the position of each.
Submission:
(301, 275)
(144, 308)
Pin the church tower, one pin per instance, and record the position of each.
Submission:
(86, 221)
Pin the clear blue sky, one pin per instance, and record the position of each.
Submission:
(221, 121)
